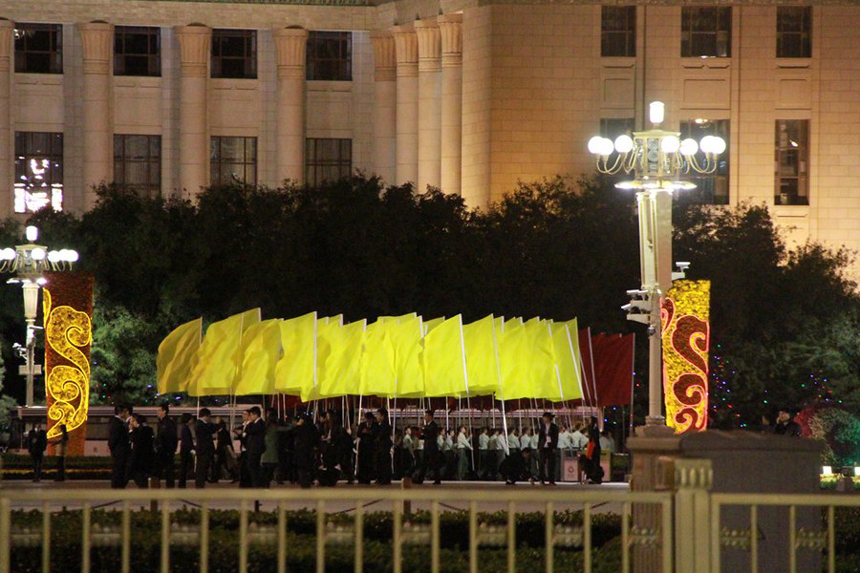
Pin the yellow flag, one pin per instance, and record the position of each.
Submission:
(297, 366)
(407, 338)
(177, 355)
(543, 375)
(340, 372)
(565, 358)
(445, 360)
(513, 356)
(220, 355)
(481, 352)
(378, 376)
(573, 331)
(432, 323)
(398, 319)
(261, 349)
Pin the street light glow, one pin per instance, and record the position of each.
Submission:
(32, 233)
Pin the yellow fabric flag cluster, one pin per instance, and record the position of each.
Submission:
(396, 356)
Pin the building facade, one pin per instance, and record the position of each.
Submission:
(471, 96)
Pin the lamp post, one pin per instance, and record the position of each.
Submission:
(658, 160)
(28, 262)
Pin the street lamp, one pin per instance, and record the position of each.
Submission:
(28, 262)
(657, 159)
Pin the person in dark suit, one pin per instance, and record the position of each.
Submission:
(186, 448)
(306, 439)
(61, 446)
(366, 451)
(205, 446)
(593, 470)
(548, 444)
(244, 477)
(430, 461)
(166, 439)
(120, 446)
(255, 433)
(382, 445)
(37, 443)
(142, 451)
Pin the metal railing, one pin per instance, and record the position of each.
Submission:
(805, 514)
(398, 501)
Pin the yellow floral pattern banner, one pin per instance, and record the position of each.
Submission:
(685, 318)
(68, 308)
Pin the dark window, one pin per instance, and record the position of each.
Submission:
(792, 162)
(613, 127)
(137, 51)
(234, 54)
(233, 160)
(39, 48)
(329, 56)
(710, 189)
(794, 32)
(618, 31)
(327, 160)
(706, 31)
(38, 171)
(137, 162)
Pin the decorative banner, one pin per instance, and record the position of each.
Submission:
(68, 308)
(686, 339)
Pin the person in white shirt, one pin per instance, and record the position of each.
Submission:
(564, 438)
(464, 449)
(578, 439)
(450, 455)
(483, 453)
(513, 441)
(607, 444)
(531, 439)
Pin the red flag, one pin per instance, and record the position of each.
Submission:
(613, 367)
(589, 389)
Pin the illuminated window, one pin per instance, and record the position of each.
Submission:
(793, 31)
(233, 160)
(329, 56)
(38, 171)
(234, 54)
(792, 162)
(710, 189)
(706, 31)
(137, 162)
(39, 48)
(618, 31)
(137, 51)
(327, 160)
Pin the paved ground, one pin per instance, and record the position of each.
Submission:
(344, 506)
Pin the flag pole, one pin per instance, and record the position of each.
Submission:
(501, 391)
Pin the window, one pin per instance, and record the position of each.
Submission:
(329, 56)
(39, 48)
(710, 189)
(327, 160)
(137, 162)
(794, 32)
(618, 31)
(233, 160)
(234, 54)
(38, 171)
(706, 31)
(137, 51)
(613, 127)
(792, 162)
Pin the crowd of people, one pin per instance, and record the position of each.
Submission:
(299, 449)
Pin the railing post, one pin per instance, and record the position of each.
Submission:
(693, 479)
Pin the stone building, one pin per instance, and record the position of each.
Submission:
(471, 96)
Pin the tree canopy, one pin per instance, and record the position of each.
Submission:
(785, 321)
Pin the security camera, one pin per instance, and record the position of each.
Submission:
(652, 330)
(682, 265)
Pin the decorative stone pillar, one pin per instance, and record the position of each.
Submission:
(406, 51)
(384, 106)
(97, 48)
(429, 103)
(195, 42)
(291, 45)
(6, 28)
(451, 28)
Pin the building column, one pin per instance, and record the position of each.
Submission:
(291, 46)
(384, 106)
(429, 103)
(195, 43)
(6, 29)
(406, 51)
(97, 48)
(451, 28)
